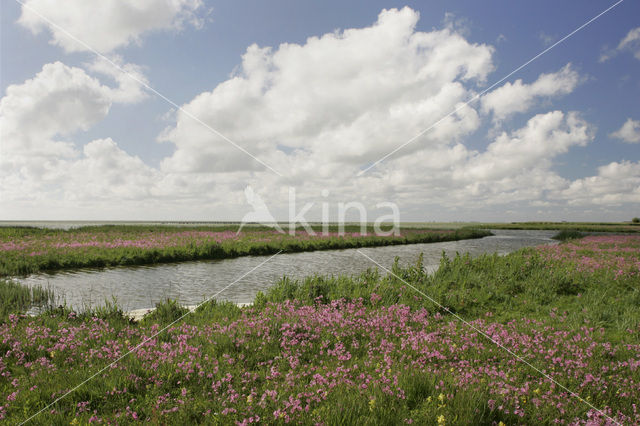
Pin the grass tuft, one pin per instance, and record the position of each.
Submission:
(16, 297)
(568, 234)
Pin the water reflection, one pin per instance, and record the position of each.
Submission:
(192, 282)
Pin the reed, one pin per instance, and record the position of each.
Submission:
(16, 297)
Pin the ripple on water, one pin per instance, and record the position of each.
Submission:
(190, 283)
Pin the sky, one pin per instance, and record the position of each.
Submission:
(209, 110)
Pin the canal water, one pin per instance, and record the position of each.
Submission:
(190, 283)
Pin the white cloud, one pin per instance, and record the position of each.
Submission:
(629, 132)
(106, 172)
(129, 77)
(518, 97)
(546, 39)
(37, 118)
(515, 167)
(460, 25)
(106, 25)
(59, 100)
(318, 112)
(345, 97)
(630, 42)
(616, 183)
(532, 147)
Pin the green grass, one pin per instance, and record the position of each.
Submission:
(28, 250)
(631, 227)
(16, 297)
(512, 287)
(568, 234)
(367, 349)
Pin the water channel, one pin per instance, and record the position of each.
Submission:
(190, 283)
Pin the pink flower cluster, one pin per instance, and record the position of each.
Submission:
(146, 240)
(619, 254)
(99, 242)
(285, 362)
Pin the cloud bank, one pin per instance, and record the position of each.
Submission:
(318, 112)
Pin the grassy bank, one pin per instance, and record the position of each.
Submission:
(366, 350)
(16, 297)
(28, 250)
(626, 227)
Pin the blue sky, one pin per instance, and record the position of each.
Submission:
(134, 157)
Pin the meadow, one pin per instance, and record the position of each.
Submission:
(370, 349)
(25, 250)
(617, 227)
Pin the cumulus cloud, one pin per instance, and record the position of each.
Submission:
(58, 100)
(531, 147)
(629, 132)
(616, 183)
(515, 166)
(38, 117)
(129, 77)
(346, 97)
(318, 112)
(107, 24)
(106, 172)
(518, 97)
(630, 43)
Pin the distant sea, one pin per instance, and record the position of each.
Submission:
(69, 224)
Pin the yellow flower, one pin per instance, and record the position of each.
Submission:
(428, 399)
(249, 399)
(52, 354)
(501, 423)
(440, 419)
(537, 391)
(372, 404)
(74, 421)
(441, 397)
